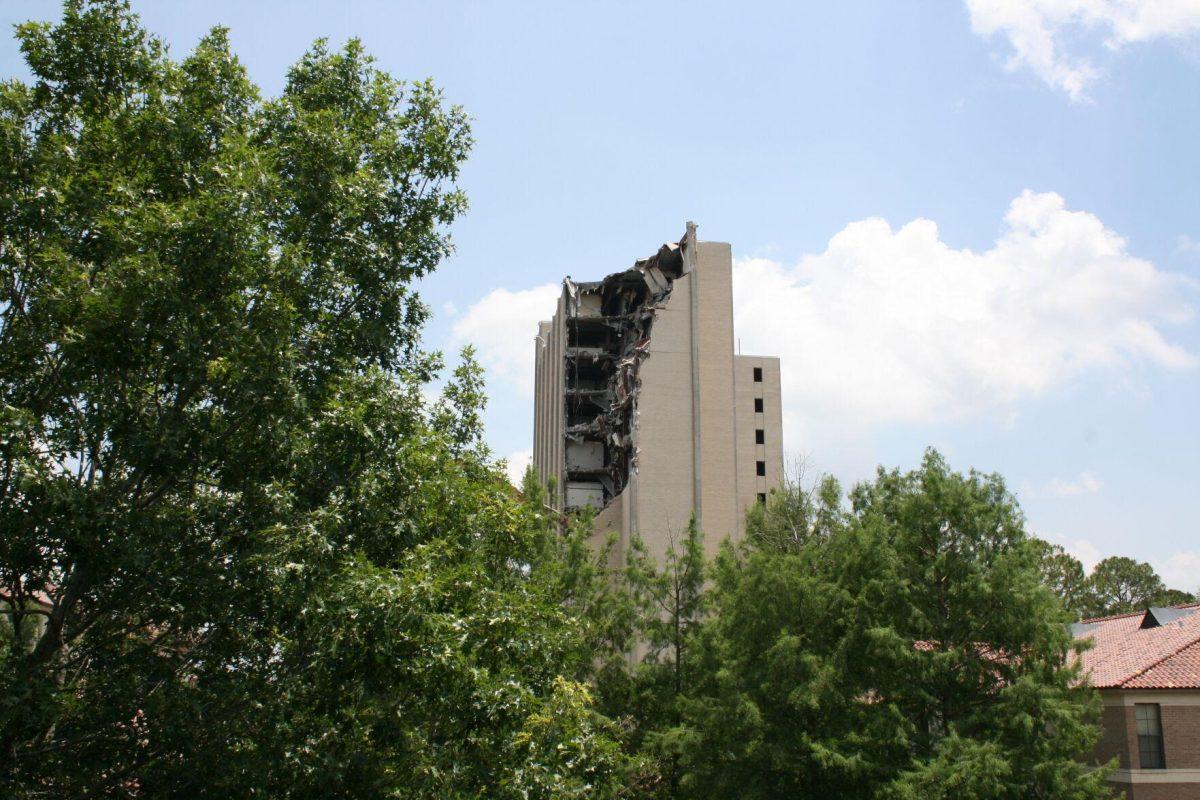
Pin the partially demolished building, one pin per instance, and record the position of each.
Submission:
(642, 408)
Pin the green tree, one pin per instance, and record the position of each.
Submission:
(796, 513)
(672, 595)
(1118, 585)
(1063, 574)
(912, 650)
(257, 563)
(771, 713)
(581, 574)
(669, 596)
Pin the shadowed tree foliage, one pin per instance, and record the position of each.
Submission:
(239, 554)
(668, 596)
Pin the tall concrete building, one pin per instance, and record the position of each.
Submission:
(644, 411)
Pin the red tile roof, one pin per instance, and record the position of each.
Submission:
(1125, 655)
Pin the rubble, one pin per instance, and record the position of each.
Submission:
(608, 337)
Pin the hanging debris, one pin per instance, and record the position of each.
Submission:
(608, 338)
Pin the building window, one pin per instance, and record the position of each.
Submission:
(758, 405)
(1150, 738)
(758, 374)
(762, 498)
(760, 436)
(760, 467)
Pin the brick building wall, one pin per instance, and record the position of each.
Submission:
(1180, 714)
(1162, 791)
(1114, 736)
(1181, 735)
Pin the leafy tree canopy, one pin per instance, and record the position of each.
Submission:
(239, 554)
(1116, 585)
(908, 650)
(1064, 575)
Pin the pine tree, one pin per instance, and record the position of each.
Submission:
(912, 651)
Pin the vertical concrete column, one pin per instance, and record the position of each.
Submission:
(718, 445)
(662, 496)
(559, 413)
(538, 438)
(691, 259)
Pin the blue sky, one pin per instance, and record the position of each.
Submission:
(972, 225)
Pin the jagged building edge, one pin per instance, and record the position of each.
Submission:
(608, 337)
(643, 411)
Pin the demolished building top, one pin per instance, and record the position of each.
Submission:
(608, 327)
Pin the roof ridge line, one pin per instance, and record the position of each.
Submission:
(1171, 654)
(1111, 618)
(1194, 604)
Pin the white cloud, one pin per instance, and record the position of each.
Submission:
(502, 327)
(1038, 29)
(1181, 570)
(517, 463)
(1088, 554)
(895, 325)
(1086, 483)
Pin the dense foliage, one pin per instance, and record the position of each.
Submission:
(240, 556)
(898, 646)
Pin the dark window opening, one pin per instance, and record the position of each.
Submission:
(758, 406)
(760, 436)
(760, 467)
(1150, 738)
(758, 374)
(589, 334)
(762, 498)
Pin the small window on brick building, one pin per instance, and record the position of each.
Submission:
(1150, 738)
(760, 467)
(762, 498)
(758, 374)
(760, 436)
(758, 407)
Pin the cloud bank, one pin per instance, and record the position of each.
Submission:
(502, 326)
(893, 326)
(1180, 570)
(1038, 31)
(515, 465)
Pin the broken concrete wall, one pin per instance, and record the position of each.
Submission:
(608, 329)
